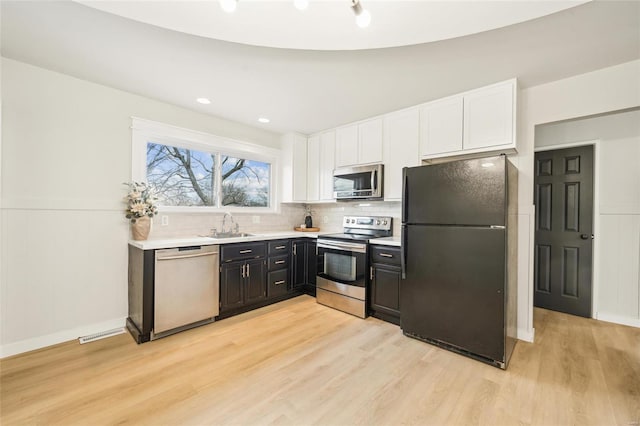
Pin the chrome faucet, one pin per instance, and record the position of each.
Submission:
(224, 221)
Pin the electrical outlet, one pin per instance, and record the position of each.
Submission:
(325, 219)
(256, 219)
(164, 220)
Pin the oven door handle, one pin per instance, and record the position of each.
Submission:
(335, 245)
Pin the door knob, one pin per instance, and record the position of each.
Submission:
(585, 236)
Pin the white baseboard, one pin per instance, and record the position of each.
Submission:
(62, 336)
(526, 335)
(633, 322)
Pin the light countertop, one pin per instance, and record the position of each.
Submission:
(163, 243)
(386, 241)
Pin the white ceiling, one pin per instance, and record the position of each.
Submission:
(311, 90)
(330, 24)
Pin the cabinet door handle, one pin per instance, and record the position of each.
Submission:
(279, 262)
(248, 270)
(243, 273)
(371, 272)
(386, 255)
(295, 249)
(279, 282)
(245, 251)
(280, 247)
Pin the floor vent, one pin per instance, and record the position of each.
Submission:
(101, 335)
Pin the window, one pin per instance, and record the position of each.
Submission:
(244, 182)
(191, 170)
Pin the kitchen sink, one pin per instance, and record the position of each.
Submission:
(230, 235)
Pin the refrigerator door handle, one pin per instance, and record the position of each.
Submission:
(403, 248)
(405, 197)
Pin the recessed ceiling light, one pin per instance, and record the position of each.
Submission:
(485, 165)
(204, 101)
(228, 6)
(263, 120)
(301, 4)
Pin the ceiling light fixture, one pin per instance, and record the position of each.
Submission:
(228, 6)
(301, 4)
(203, 101)
(363, 17)
(263, 120)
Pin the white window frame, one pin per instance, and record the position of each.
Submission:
(144, 131)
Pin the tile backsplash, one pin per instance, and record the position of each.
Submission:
(328, 217)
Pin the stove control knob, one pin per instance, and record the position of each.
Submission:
(384, 222)
(378, 222)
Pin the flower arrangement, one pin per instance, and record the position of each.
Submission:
(140, 201)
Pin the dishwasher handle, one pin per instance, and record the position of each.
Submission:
(187, 252)
(185, 256)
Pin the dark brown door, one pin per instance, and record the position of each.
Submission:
(564, 228)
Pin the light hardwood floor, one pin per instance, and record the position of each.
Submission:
(298, 362)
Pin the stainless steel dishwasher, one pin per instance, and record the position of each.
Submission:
(187, 288)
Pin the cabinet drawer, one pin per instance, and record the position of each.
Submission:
(385, 254)
(279, 247)
(230, 252)
(278, 282)
(278, 262)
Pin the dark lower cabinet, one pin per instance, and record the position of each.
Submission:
(385, 271)
(298, 264)
(256, 282)
(311, 266)
(278, 283)
(243, 275)
(231, 286)
(242, 283)
(140, 289)
(303, 265)
(279, 267)
(264, 276)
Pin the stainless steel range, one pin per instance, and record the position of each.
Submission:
(343, 263)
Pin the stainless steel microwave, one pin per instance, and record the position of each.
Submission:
(358, 183)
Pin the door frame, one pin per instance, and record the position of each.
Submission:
(595, 264)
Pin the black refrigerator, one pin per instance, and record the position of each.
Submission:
(459, 257)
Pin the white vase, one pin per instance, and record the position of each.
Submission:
(140, 228)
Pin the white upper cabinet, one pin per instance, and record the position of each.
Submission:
(347, 145)
(313, 168)
(478, 121)
(401, 149)
(359, 143)
(327, 164)
(489, 117)
(294, 168)
(320, 164)
(441, 126)
(370, 141)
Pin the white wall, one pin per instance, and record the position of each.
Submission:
(66, 149)
(617, 256)
(610, 89)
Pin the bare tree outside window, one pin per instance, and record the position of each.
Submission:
(245, 182)
(186, 177)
